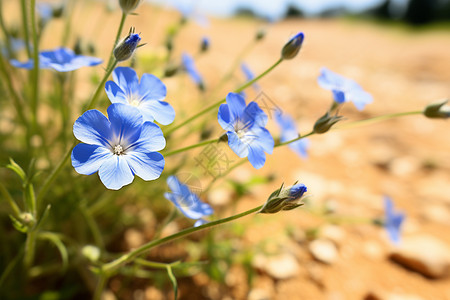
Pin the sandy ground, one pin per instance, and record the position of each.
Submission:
(349, 170)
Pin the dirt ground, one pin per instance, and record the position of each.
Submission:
(348, 170)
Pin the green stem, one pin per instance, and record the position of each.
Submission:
(215, 105)
(30, 248)
(54, 174)
(119, 32)
(294, 140)
(10, 200)
(100, 286)
(23, 6)
(95, 230)
(377, 119)
(109, 268)
(190, 147)
(156, 265)
(35, 96)
(101, 86)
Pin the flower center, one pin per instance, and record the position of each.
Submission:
(134, 100)
(118, 150)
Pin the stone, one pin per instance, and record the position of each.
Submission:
(281, 266)
(424, 254)
(323, 250)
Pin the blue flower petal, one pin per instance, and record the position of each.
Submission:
(256, 157)
(235, 143)
(93, 128)
(148, 166)
(224, 117)
(160, 111)
(127, 79)
(152, 88)
(200, 222)
(236, 105)
(264, 139)
(150, 140)
(87, 159)
(115, 93)
(126, 122)
(253, 114)
(360, 99)
(115, 173)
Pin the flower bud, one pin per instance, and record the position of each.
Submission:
(125, 49)
(204, 45)
(128, 5)
(437, 110)
(260, 34)
(91, 252)
(284, 198)
(324, 123)
(291, 49)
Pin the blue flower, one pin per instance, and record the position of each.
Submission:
(250, 76)
(245, 129)
(393, 220)
(118, 148)
(297, 190)
(146, 95)
(344, 89)
(289, 132)
(60, 59)
(188, 11)
(189, 67)
(186, 201)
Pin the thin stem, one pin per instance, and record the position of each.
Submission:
(119, 32)
(9, 198)
(112, 266)
(191, 147)
(101, 86)
(294, 140)
(35, 96)
(214, 105)
(30, 248)
(100, 286)
(377, 119)
(54, 174)
(156, 265)
(23, 6)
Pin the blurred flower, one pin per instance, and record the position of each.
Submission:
(186, 201)
(437, 110)
(393, 220)
(60, 59)
(344, 89)
(293, 46)
(289, 132)
(189, 67)
(16, 45)
(125, 48)
(250, 76)
(284, 198)
(145, 95)
(205, 43)
(128, 6)
(188, 12)
(118, 148)
(246, 134)
(45, 11)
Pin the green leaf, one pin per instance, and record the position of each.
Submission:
(173, 280)
(18, 225)
(17, 169)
